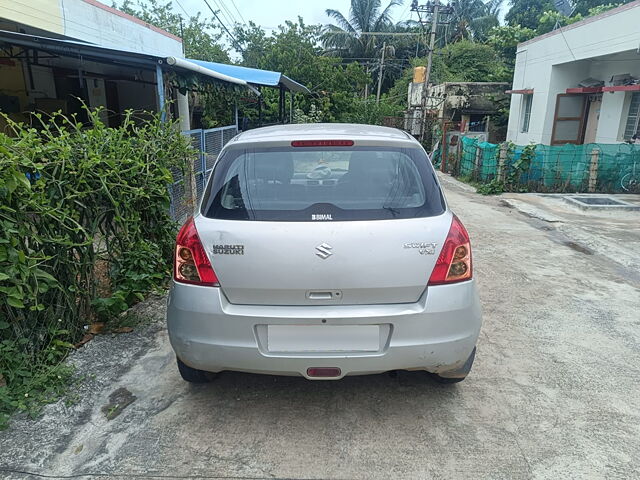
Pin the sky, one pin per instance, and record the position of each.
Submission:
(271, 13)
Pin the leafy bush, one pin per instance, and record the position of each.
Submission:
(314, 115)
(511, 181)
(85, 231)
(466, 61)
(494, 187)
(371, 113)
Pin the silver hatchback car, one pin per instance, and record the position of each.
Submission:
(323, 250)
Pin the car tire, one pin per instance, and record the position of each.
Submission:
(193, 375)
(461, 374)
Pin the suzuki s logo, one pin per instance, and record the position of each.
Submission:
(324, 251)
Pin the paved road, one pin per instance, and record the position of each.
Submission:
(554, 392)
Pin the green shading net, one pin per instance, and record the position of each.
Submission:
(556, 168)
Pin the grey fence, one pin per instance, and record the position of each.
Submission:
(208, 143)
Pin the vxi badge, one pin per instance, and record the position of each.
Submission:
(423, 247)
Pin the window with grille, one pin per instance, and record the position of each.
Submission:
(634, 115)
(526, 112)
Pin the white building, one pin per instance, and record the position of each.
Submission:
(579, 84)
(89, 21)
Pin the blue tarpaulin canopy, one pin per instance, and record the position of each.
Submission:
(254, 76)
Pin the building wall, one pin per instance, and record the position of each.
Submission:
(91, 21)
(42, 14)
(597, 47)
(456, 101)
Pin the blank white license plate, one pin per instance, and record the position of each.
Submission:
(323, 338)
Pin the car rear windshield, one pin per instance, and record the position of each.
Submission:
(322, 184)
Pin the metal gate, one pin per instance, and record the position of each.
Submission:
(208, 143)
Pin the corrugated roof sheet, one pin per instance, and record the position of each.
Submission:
(255, 76)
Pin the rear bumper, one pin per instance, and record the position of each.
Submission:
(437, 333)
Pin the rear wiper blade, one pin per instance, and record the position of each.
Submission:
(394, 211)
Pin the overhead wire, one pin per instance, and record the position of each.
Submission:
(183, 9)
(229, 12)
(215, 14)
(230, 20)
(236, 8)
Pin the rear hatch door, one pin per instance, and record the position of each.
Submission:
(355, 224)
(295, 263)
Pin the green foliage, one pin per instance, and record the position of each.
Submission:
(466, 61)
(510, 182)
(294, 50)
(494, 187)
(505, 39)
(30, 379)
(527, 13)
(520, 166)
(552, 18)
(398, 92)
(370, 113)
(595, 7)
(218, 103)
(473, 19)
(541, 15)
(345, 39)
(314, 115)
(84, 233)
(597, 10)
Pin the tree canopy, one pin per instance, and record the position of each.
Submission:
(527, 13)
(467, 61)
(347, 37)
(340, 62)
(294, 49)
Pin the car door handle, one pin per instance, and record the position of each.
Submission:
(324, 295)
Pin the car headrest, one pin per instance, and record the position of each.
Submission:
(272, 166)
(369, 166)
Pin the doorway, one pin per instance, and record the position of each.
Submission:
(569, 119)
(593, 116)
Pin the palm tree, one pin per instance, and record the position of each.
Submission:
(347, 38)
(472, 19)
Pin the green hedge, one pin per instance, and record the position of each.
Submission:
(85, 232)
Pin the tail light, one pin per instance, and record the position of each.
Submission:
(454, 262)
(322, 143)
(191, 264)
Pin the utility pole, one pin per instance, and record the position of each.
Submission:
(425, 85)
(366, 87)
(436, 10)
(182, 35)
(384, 48)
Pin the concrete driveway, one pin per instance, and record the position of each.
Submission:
(554, 393)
